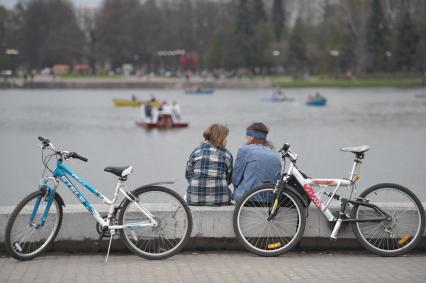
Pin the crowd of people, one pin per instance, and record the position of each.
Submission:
(210, 169)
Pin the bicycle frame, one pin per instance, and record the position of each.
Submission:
(307, 184)
(65, 174)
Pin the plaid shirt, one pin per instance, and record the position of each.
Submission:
(209, 172)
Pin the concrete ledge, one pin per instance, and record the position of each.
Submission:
(212, 230)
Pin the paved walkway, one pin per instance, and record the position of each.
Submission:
(227, 266)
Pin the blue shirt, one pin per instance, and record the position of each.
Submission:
(255, 165)
(209, 171)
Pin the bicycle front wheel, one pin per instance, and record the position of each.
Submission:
(27, 235)
(396, 235)
(174, 223)
(269, 237)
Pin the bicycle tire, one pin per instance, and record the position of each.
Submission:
(147, 253)
(394, 246)
(11, 245)
(251, 247)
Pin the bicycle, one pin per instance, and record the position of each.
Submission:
(153, 221)
(387, 219)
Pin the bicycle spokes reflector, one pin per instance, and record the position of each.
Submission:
(274, 245)
(404, 239)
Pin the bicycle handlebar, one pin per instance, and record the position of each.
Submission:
(77, 156)
(64, 154)
(285, 147)
(286, 152)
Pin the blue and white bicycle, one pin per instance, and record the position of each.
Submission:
(154, 222)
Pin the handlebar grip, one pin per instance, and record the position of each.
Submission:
(77, 156)
(285, 147)
(44, 141)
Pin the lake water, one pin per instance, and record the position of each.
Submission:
(391, 121)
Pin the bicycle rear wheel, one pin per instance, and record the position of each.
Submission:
(25, 237)
(273, 237)
(174, 223)
(397, 235)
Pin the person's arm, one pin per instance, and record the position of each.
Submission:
(189, 163)
(239, 166)
(229, 170)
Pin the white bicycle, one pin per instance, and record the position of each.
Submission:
(387, 219)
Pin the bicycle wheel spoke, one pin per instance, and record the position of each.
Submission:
(170, 231)
(404, 225)
(267, 236)
(26, 240)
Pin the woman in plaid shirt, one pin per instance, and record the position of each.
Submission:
(209, 169)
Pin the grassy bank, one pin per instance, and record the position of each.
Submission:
(347, 83)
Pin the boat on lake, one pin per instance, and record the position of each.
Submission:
(316, 100)
(199, 90)
(133, 103)
(421, 95)
(278, 96)
(152, 125)
(163, 121)
(282, 98)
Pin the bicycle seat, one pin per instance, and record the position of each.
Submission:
(357, 149)
(122, 171)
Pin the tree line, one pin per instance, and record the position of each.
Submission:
(251, 36)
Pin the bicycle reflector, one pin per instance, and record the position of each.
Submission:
(274, 245)
(404, 239)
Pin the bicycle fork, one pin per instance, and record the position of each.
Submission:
(339, 221)
(273, 211)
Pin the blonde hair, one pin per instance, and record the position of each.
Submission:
(216, 134)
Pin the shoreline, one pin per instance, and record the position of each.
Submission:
(180, 83)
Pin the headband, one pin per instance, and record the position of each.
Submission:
(258, 134)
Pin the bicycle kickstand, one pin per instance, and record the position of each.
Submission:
(112, 233)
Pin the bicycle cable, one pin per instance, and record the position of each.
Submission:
(45, 160)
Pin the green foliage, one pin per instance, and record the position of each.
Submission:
(232, 35)
(264, 36)
(244, 35)
(287, 82)
(278, 18)
(406, 44)
(347, 49)
(297, 58)
(377, 39)
(5, 40)
(46, 38)
(221, 53)
(258, 11)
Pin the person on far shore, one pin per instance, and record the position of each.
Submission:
(209, 169)
(256, 163)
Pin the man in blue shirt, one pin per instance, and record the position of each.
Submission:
(256, 163)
